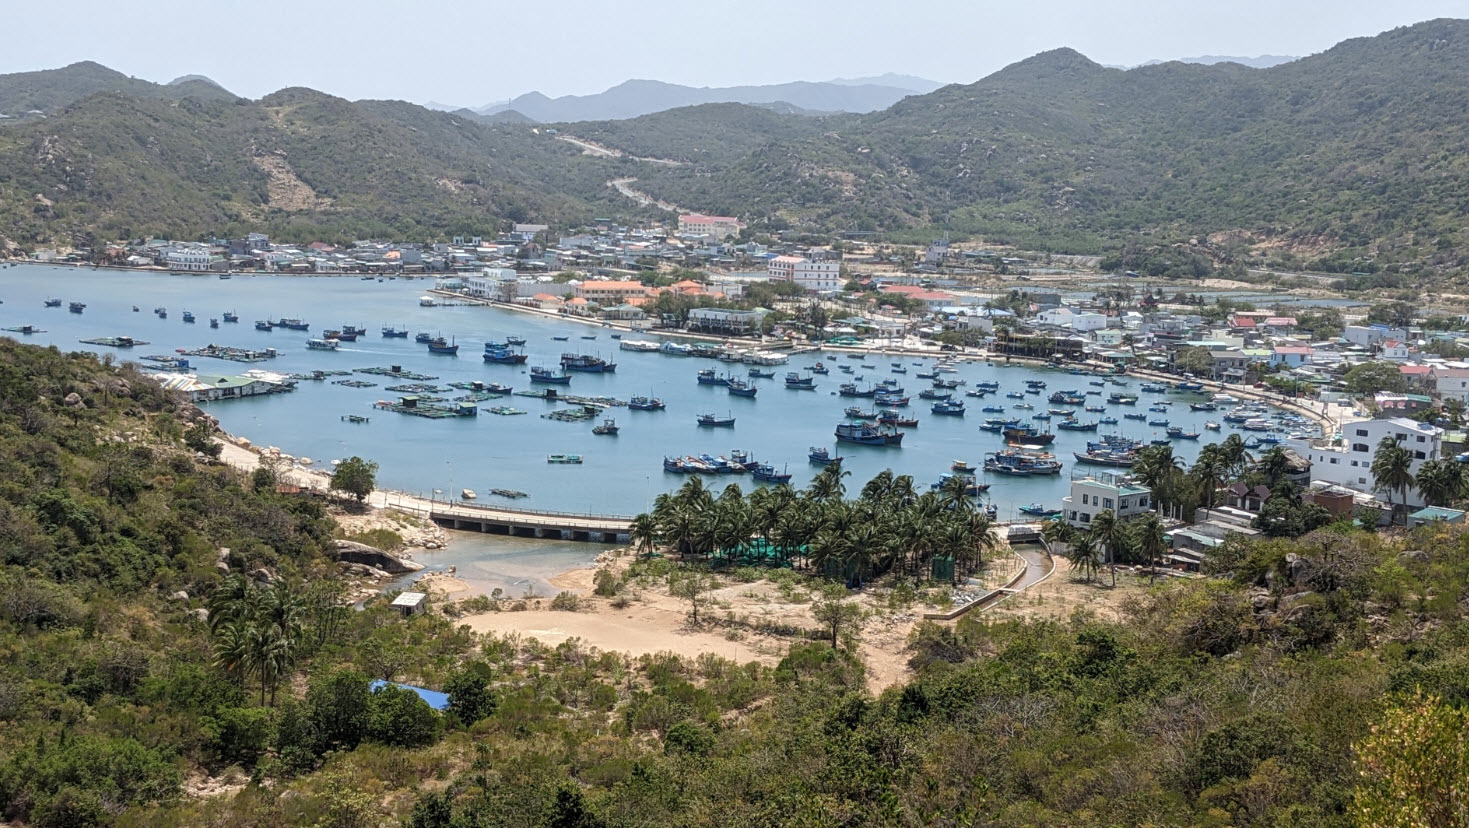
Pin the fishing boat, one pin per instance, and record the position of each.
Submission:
(756, 373)
(344, 335)
(561, 338)
(587, 364)
(591, 336)
(355, 418)
(1035, 383)
(353, 331)
(390, 332)
(1188, 386)
(160, 312)
(766, 473)
(1096, 409)
(820, 368)
(264, 325)
(499, 355)
(1043, 416)
(213, 323)
(868, 435)
(675, 349)
(898, 369)
(1028, 461)
(972, 487)
(856, 413)
(515, 340)
(1024, 406)
(716, 421)
(608, 428)
(962, 467)
(646, 404)
(740, 388)
(890, 417)
(1122, 399)
(1134, 416)
(1107, 421)
(821, 457)
(928, 375)
(229, 316)
(997, 424)
(564, 459)
(1153, 387)
(423, 336)
(888, 401)
(988, 386)
(1073, 425)
(850, 389)
(322, 344)
(189, 317)
(293, 325)
(707, 376)
(940, 383)
(1037, 510)
(1177, 433)
(510, 493)
(1028, 435)
(1212, 426)
(1204, 406)
(548, 377)
(798, 382)
(1160, 423)
(993, 409)
(439, 345)
(76, 307)
(53, 303)
(934, 394)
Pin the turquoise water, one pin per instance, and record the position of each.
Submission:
(621, 474)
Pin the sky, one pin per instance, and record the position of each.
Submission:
(473, 52)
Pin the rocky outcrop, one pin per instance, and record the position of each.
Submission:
(361, 553)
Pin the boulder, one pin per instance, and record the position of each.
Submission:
(1414, 555)
(201, 614)
(263, 575)
(361, 553)
(222, 567)
(180, 596)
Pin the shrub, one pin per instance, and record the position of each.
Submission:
(566, 602)
(400, 717)
(607, 583)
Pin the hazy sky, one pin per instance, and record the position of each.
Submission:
(472, 52)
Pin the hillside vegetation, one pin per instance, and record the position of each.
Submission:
(142, 685)
(52, 89)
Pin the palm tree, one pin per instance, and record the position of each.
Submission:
(1440, 482)
(1056, 530)
(233, 652)
(1111, 534)
(1392, 469)
(1235, 454)
(1148, 540)
(827, 485)
(1155, 467)
(879, 488)
(1274, 466)
(1453, 408)
(1211, 470)
(643, 533)
(954, 494)
(231, 601)
(1085, 555)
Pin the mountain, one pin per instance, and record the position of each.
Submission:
(1257, 62)
(642, 97)
(912, 83)
(1354, 153)
(49, 90)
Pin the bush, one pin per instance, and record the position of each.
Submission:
(607, 583)
(470, 698)
(566, 601)
(401, 718)
(339, 707)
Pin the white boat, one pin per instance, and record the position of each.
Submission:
(1225, 398)
(675, 349)
(642, 345)
(427, 302)
(322, 344)
(468, 494)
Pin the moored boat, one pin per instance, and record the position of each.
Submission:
(608, 428)
(716, 421)
(646, 404)
(821, 457)
(868, 435)
(564, 459)
(548, 377)
(439, 345)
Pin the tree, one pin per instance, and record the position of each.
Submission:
(1148, 540)
(1392, 469)
(339, 709)
(1413, 765)
(643, 533)
(1372, 377)
(1440, 481)
(694, 587)
(1111, 534)
(1194, 359)
(1085, 555)
(356, 477)
(401, 718)
(470, 697)
(840, 617)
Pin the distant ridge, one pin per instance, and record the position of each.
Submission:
(1258, 62)
(49, 90)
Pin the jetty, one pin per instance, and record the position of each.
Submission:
(317, 375)
(24, 329)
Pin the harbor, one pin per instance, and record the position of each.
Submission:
(443, 444)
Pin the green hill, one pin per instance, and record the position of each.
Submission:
(49, 90)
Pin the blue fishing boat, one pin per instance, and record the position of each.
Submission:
(76, 307)
(1159, 422)
(352, 331)
(1189, 386)
(997, 424)
(1073, 425)
(515, 340)
(796, 381)
(1154, 387)
(1037, 510)
(1043, 416)
(561, 338)
(868, 435)
(646, 404)
(439, 345)
(898, 369)
(546, 376)
(390, 332)
(708, 377)
(1122, 399)
(820, 368)
(951, 408)
(1014, 395)
(499, 355)
(293, 325)
(851, 390)
(932, 394)
(1021, 462)
(189, 317)
(264, 325)
(1134, 416)
(756, 373)
(857, 413)
(740, 388)
(887, 401)
(1177, 433)
(213, 323)
(1027, 435)
(891, 417)
(1107, 421)
(716, 421)
(972, 487)
(587, 364)
(53, 303)
(821, 457)
(766, 473)
(988, 386)
(993, 409)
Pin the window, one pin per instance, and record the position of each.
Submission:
(1107, 503)
(1086, 517)
(1360, 447)
(1420, 438)
(1361, 432)
(1361, 480)
(1419, 455)
(1333, 462)
(1142, 502)
(1084, 500)
(1354, 463)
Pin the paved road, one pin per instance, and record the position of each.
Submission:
(1038, 567)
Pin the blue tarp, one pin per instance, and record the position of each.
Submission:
(435, 699)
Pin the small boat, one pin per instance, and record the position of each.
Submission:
(646, 404)
(756, 373)
(962, 467)
(561, 338)
(931, 394)
(857, 413)
(850, 390)
(56, 303)
(868, 435)
(1205, 406)
(608, 428)
(135, 308)
(740, 388)
(593, 336)
(189, 317)
(293, 325)
(1161, 423)
(1024, 406)
(766, 473)
(213, 323)
(1212, 426)
(1073, 425)
(972, 487)
(322, 344)
(1134, 416)
(1037, 510)
(510, 493)
(515, 340)
(439, 345)
(1177, 433)
(423, 337)
(715, 421)
(229, 316)
(355, 418)
(821, 457)
(564, 459)
(76, 307)
(264, 325)
(899, 370)
(798, 382)
(993, 409)
(394, 333)
(468, 494)
(890, 417)
(886, 401)
(1107, 421)
(820, 368)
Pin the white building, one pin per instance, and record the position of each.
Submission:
(190, 258)
(1104, 492)
(719, 227)
(1349, 464)
(1452, 383)
(818, 277)
(487, 285)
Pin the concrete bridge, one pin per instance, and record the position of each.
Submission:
(528, 524)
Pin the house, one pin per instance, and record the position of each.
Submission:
(1291, 356)
(410, 603)
(490, 283)
(187, 258)
(210, 387)
(627, 313)
(696, 224)
(1401, 404)
(1435, 514)
(1229, 364)
(725, 321)
(610, 293)
(1348, 463)
(1395, 350)
(815, 276)
(1246, 498)
(1451, 383)
(1102, 492)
